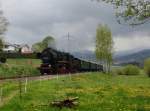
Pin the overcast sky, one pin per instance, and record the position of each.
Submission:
(32, 20)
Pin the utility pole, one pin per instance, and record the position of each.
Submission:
(68, 37)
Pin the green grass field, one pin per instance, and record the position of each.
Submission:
(14, 67)
(24, 62)
(96, 92)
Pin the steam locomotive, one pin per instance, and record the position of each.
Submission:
(54, 61)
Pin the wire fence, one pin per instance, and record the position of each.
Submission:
(19, 87)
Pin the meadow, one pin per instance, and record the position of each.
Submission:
(18, 62)
(96, 92)
(20, 67)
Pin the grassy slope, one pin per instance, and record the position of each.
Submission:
(9, 69)
(96, 92)
(24, 62)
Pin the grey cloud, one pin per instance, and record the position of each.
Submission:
(31, 20)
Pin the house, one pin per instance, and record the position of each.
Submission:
(15, 48)
(10, 47)
(25, 49)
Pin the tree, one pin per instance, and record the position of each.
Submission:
(104, 46)
(37, 47)
(1, 44)
(46, 42)
(3, 23)
(3, 28)
(132, 12)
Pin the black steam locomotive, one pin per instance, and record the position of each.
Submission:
(54, 61)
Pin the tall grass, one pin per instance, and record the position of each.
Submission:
(16, 71)
(20, 67)
(96, 92)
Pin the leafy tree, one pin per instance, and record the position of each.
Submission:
(104, 46)
(1, 44)
(37, 47)
(132, 12)
(3, 28)
(3, 23)
(46, 42)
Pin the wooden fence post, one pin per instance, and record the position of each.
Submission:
(1, 95)
(26, 83)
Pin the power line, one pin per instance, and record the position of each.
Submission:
(69, 37)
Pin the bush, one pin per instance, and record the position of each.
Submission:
(147, 66)
(131, 70)
(18, 55)
(119, 71)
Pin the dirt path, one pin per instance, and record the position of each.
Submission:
(45, 77)
(29, 78)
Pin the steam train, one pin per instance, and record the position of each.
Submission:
(54, 61)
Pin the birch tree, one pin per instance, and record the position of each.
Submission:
(104, 46)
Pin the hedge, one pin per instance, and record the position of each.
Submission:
(18, 55)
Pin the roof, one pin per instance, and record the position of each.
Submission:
(16, 45)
